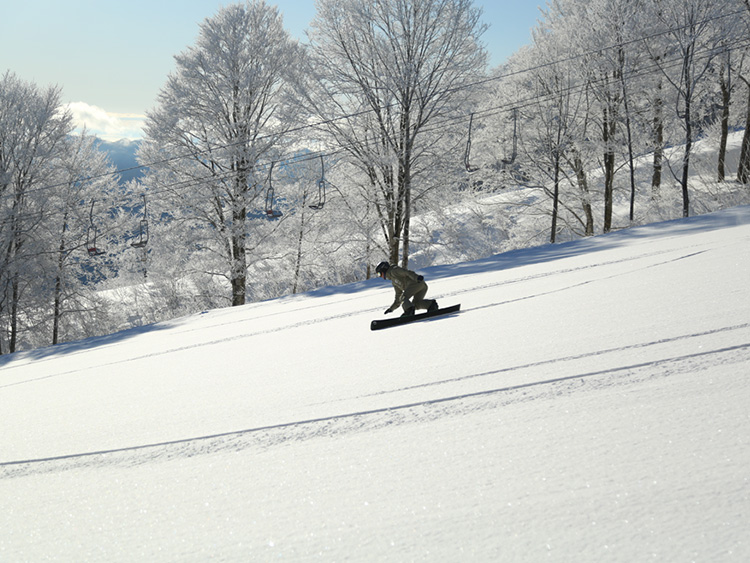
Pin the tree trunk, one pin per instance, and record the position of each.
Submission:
(57, 310)
(555, 198)
(686, 159)
(395, 206)
(13, 253)
(404, 176)
(239, 281)
(609, 169)
(57, 313)
(406, 187)
(583, 185)
(631, 158)
(628, 129)
(658, 143)
(743, 168)
(237, 243)
(725, 99)
(13, 315)
(405, 245)
(300, 238)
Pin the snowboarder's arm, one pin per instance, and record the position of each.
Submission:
(396, 302)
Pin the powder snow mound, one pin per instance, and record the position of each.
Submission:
(587, 393)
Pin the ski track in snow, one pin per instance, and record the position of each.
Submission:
(531, 426)
(427, 410)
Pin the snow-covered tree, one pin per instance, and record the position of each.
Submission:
(219, 125)
(646, 75)
(33, 128)
(743, 169)
(697, 41)
(388, 70)
(84, 178)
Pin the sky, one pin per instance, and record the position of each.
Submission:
(111, 58)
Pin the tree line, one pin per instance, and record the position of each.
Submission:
(273, 166)
(611, 81)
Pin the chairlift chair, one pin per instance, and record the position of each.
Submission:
(142, 239)
(91, 232)
(271, 213)
(467, 154)
(514, 154)
(321, 196)
(91, 247)
(321, 188)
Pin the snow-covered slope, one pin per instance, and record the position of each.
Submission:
(589, 403)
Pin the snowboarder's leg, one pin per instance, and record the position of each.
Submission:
(414, 296)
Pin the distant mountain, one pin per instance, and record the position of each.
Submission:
(122, 155)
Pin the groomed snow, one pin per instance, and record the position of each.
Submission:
(589, 403)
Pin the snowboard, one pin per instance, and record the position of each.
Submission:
(385, 323)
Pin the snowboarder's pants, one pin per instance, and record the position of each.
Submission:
(414, 296)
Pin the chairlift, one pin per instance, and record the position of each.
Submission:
(271, 213)
(91, 232)
(512, 159)
(142, 239)
(321, 188)
(467, 153)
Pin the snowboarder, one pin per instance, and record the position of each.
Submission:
(410, 289)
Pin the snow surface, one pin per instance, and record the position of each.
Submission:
(591, 402)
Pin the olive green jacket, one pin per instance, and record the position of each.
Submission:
(401, 279)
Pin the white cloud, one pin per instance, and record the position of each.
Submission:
(105, 125)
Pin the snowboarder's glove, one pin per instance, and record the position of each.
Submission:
(420, 278)
(388, 311)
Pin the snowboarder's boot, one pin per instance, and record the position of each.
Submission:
(409, 312)
(433, 306)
